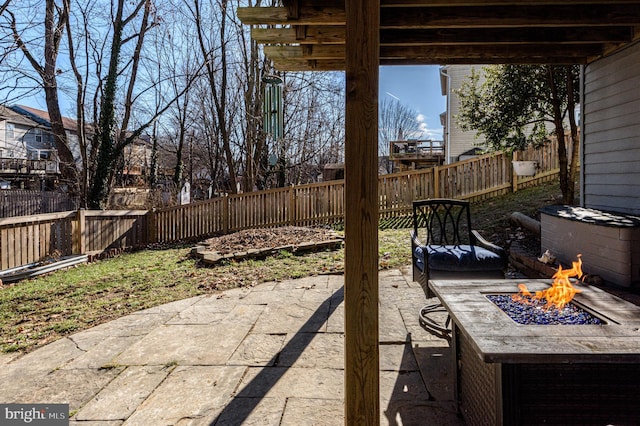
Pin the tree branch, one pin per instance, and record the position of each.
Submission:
(23, 47)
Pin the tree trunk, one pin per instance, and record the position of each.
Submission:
(566, 186)
(105, 132)
(575, 139)
(52, 42)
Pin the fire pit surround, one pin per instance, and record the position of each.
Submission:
(509, 373)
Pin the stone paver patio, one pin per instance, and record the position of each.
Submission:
(267, 355)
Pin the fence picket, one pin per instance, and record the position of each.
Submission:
(30, 239)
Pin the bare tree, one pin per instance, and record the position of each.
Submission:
(396, 121)
(314, 124)
(55, 21)
(111, 136)
(216, 54)
(253, 66)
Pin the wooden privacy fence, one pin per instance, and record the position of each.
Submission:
(25, 202)
(29, 239)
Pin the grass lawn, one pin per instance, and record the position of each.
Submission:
(37, 311)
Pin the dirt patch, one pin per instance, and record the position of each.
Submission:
(258, 239)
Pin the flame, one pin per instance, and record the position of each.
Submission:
(561, 291)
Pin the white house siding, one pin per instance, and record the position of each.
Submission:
(611, 159)
(458, 141)
(14, 146)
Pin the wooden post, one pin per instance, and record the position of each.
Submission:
(436, 182)
(292, 205)
(81, 232)
(514, 176)
(362, 383)
(152, 226)
(225, 214)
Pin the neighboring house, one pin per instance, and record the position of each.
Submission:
(28, 158)
(42, 118)
(459, 144)
(137, 162)
(136, 157)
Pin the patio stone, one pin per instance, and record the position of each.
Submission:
(319, 281)
(31, 371)
(102, 353)
(186, 345)
(252, 412)
(73, 387)
(272, 354)
(324, 412)
(436, 367)
(136, 324)
(120, 398)
(258, 350)
(391, 326)
(406, 412)
(402, 386)
(189, 395)
(172, 307)
(49, 357)
(335, 282)
(283, 382)
(313, 350)
(293, 318)
(335, 323)
(316, 295)
(6, 358)
(397, 357)
(207, 310)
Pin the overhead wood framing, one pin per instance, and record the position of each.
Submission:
(310, 34)
(325, 35)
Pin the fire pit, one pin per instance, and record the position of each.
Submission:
(510, 373)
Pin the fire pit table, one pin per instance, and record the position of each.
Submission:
(509, 373)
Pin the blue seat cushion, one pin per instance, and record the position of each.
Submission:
(463, 258)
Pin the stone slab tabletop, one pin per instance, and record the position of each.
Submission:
(499, 339)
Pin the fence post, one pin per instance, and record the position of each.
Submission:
(514, 176)
(436, 182)
(292, 205)
(225, 214)
(152, 225)
(81, 232)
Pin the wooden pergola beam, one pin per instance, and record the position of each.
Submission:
(280, 16)
(425, 17)
(568, 53)
(314, 35)
(502, 3)
(513, 16)
(458, 36)
(359, 35)
(500, 36)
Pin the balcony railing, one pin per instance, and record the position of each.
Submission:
(28, 167)
(415, 149)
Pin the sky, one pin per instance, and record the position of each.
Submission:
(416, 87)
